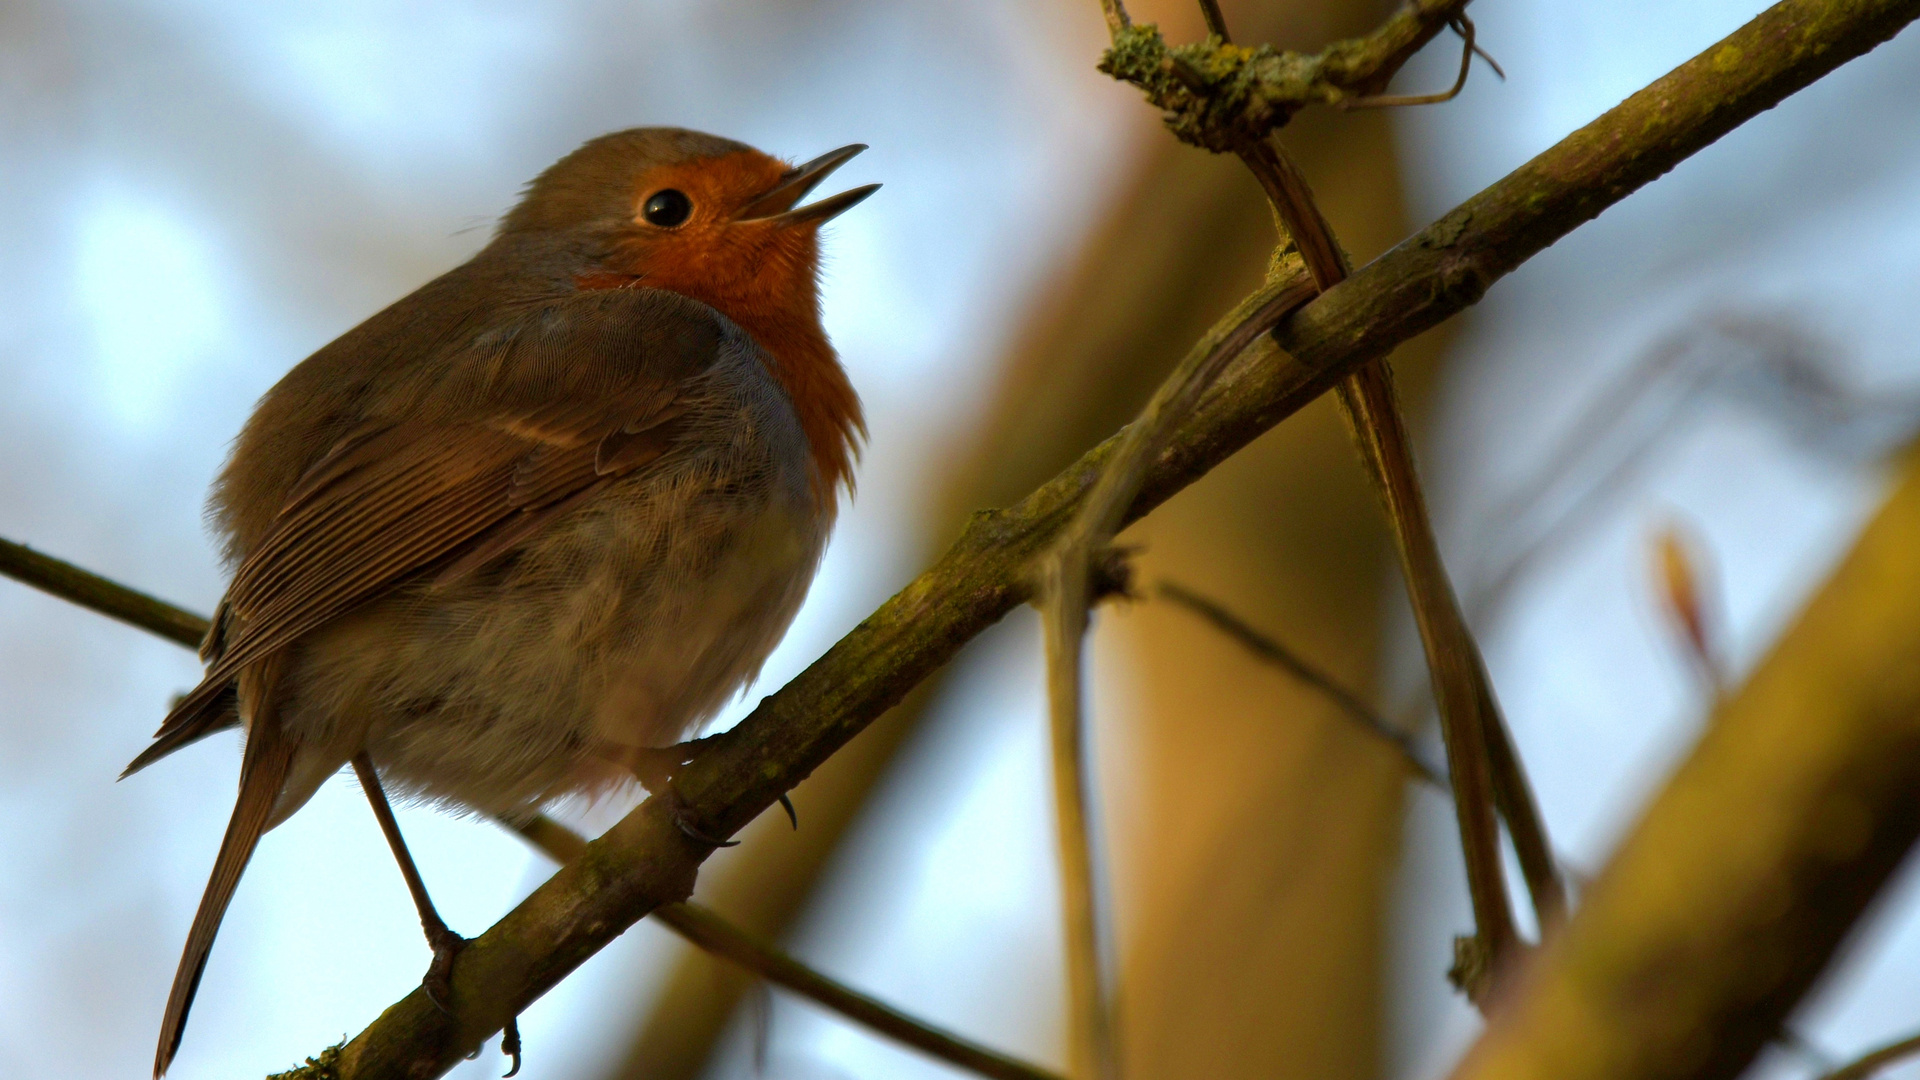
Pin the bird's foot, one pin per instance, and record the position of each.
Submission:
(438, 982)
(689, 826)
(656, 766)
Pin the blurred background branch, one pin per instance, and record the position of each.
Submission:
(717, 936)
(1704, 931)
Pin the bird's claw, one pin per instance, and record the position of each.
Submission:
(438, 982)
(656, 768)
(510, 1045)
(683, 821)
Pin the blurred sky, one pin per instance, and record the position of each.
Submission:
(197, 194)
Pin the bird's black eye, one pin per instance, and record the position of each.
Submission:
(667, 208)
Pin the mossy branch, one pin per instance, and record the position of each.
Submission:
(645, 861)
(1222, 96)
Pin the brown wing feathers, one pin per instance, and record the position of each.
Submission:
(396, 499)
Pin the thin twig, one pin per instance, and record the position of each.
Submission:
(1274, 652)
(701, 926)
(1870, 1063)
(1498, 71)
(1279, 655)
(1216, 22)
(1462, 26)
(1063, 589)
(91, 591)
(712, 932)
(1467, 719)
(1092, 1029)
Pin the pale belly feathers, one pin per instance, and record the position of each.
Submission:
(627, 622)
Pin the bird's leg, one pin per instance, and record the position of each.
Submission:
(446, 944)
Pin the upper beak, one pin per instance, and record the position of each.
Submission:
(777, 204)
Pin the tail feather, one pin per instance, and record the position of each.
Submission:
(263, 770)
(220, 712)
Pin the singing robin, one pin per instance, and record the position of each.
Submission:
(507, 538)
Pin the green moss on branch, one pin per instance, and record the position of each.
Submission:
(1223, 96)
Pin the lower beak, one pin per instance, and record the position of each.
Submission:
(826, 209)
(777, 204)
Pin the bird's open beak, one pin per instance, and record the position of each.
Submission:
(777, 204)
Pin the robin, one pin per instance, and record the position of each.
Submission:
(512, 537)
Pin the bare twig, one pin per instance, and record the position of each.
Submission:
(1063, 589)
(1470, 717)
(644, 861)
(1468, 50)
(91, 591)
(1483, 769)
(699, 925)
(1274, 652)
(710, 931)
(1870, 1063)
(1093, 1051)
(1064, 592)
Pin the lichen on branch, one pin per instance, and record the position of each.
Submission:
(1222, 96)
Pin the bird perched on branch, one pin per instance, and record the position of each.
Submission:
(510, 537)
